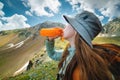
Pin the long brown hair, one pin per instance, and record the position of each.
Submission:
(91, 65)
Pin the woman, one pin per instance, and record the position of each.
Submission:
(80, 61)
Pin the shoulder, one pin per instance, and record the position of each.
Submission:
(76, 73)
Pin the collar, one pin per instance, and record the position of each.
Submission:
(71, 50)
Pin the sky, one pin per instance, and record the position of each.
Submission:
(16, 14)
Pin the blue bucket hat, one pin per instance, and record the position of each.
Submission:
(86, 24)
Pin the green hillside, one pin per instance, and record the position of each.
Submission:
(102, 40)
(113, 27)
(22, 45)
(19, 46)
(48, 70)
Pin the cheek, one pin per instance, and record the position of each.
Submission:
(68, 33)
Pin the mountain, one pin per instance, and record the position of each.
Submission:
(112, 28)
(19, 46)
(49, 24)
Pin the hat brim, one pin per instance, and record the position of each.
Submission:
(80, 29)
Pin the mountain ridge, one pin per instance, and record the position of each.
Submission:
(20, 45)
(112, 28)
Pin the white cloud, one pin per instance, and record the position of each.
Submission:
(73, 3)
(44, 7)
(1, 12)
(112, 9)
(108, 8)
(1, 23)
(89, 5)
(28, 13)
(14, 22)
(24, 3)
(100, 17)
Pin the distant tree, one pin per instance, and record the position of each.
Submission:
(3, 33)
(27, 34)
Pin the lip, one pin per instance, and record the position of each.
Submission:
(62, 33)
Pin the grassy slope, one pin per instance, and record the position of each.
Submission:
(5, 39)
(12, 59)
(102, 40)
(48, 71)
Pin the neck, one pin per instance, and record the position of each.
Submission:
(72, 41)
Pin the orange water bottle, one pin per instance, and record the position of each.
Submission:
(51, 32)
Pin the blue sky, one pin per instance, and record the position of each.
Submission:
(16, 14)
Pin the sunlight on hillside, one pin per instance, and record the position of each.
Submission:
(102, 40)
(48, 70)
(6, 38)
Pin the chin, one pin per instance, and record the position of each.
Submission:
(65, 37)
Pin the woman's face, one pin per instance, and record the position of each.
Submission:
(68, 32)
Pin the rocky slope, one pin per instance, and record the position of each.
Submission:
(112, 28)
(19, 46)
